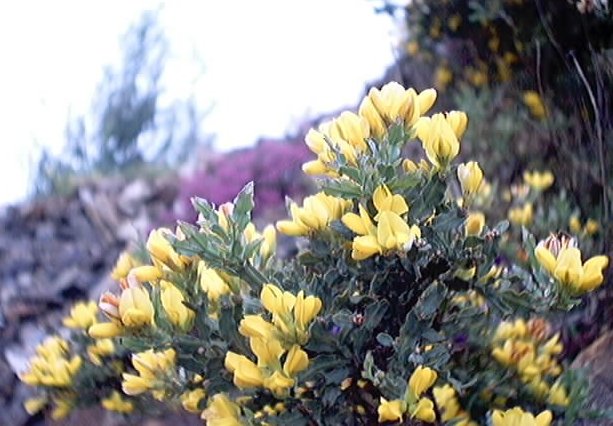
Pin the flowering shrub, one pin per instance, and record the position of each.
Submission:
(393, 310)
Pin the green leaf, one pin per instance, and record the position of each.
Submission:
(385, 339)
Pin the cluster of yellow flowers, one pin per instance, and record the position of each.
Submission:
(269, 341)
(561, 259)
(155, 370)
(52, 365)
(392, 232)
(316, 213)
(417, 406)
(525, 347)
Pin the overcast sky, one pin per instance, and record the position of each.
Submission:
(267, 65)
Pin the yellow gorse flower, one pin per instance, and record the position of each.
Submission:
(421, 380)
(178, 314)
(347, 134)
(421, 408)
(63, 406)
(440, 136)
(162, 252)
(523, 347)
(211, 282)
(100, 349)
(391, 411)
(35, 405)
(393, 104)
(268, 372)
(52, 364)
(474, 224)
(291, 316)
(153, 370)
(521, 215)
(449, 406)
(315, 215)
(539, 181)
(221, 411)
(190, 400)
(115, 402)
(135, 307)
(125, 263)
(568, 269)
(82, 315)
(391, 233)
(535, 104)
(268, 237)
(470, 176)
(518, 417)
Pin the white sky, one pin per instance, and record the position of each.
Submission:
(267, 65)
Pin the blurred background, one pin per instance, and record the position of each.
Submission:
(114, 114)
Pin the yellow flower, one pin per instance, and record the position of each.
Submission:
(315, 215)
(421, 380)
(105, 330)
(474, 223)
(384, 200)
(442, 77)
(470, 176)
(34, 405)
(391, 233)
(178, 314)
(447, 403)
(392, 104)
(516, 416)
(135, 307)
(211, 282)
(269, 245)
(161, 250)
(256, 326)
(52, 366)
(146, 273)
(535, 104)
(124, 264)
(390, 411)
(116, 403)
(222, 412)
(102, 348)
(522, 215)
(438, 139)
(305, 310)
(424, 411)
(557, 395)
(152, 369)
(277, 301)
(63, 407)
(591, 227)
(569, 270)
(539, 181)
(351, 128)
(574, 224)
(362, 224)
(82, 315)
(246, 372)
(190, 400)
(296, 361)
